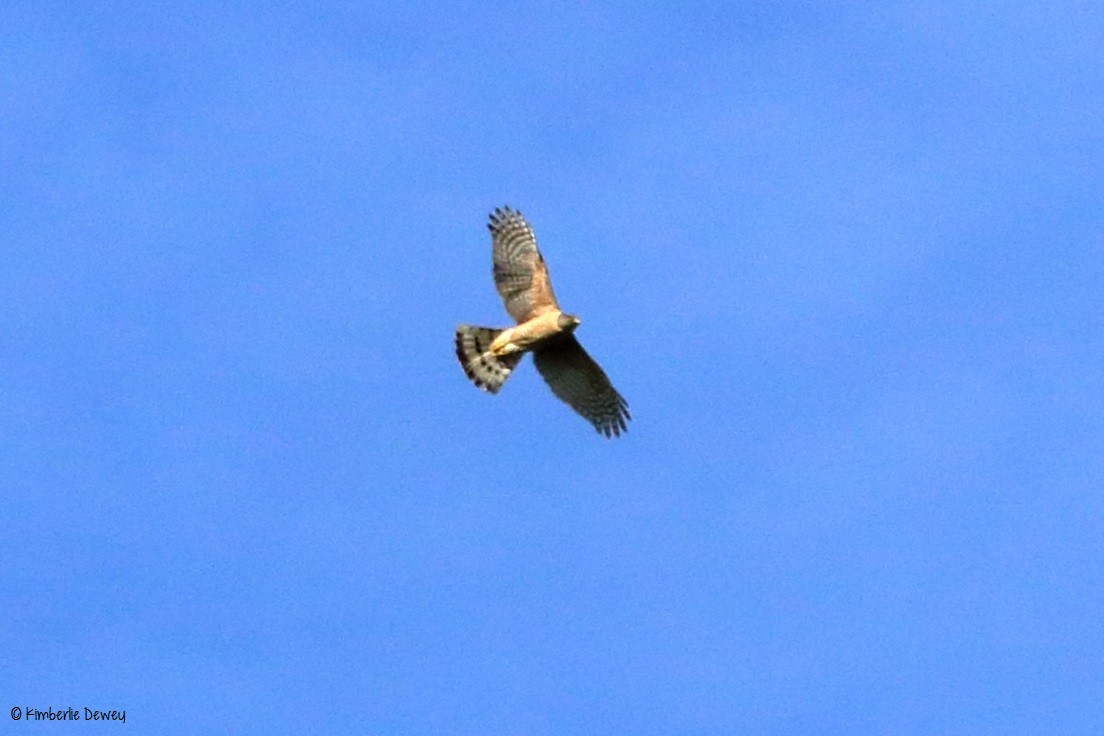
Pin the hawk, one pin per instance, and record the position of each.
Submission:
(488, 355)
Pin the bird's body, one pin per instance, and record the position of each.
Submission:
(488, 355)
(529, 334)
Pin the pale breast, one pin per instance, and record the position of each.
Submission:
(528, 334)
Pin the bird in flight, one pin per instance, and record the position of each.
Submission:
(488, 355)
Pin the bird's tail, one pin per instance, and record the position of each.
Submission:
(486, 370)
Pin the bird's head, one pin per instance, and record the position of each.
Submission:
(568, 322)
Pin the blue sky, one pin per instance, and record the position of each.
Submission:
(844, 261)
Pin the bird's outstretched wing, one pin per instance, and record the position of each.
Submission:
(580, 383)
(519, 271)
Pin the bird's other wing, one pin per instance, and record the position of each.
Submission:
(580, 383)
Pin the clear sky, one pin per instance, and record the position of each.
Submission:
(845, 262)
